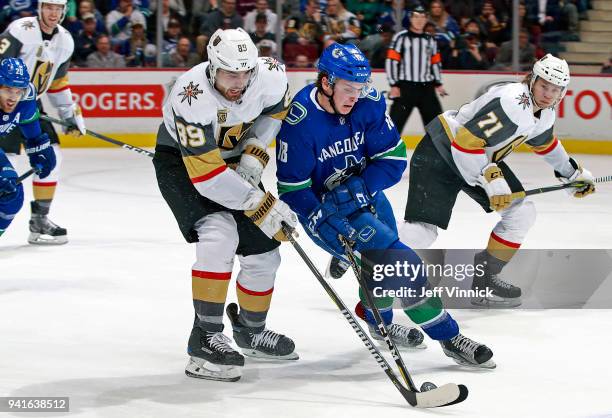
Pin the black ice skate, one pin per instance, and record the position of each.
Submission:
(401, 335)
(336, 268)
(266, 344)
(212, 357)
(42, 230)
(504, 295)
(467, 352)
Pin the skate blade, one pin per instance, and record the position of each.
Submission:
(261, 355)
(42, 239)
(202, 369)
(489, 364)
(498, 303)
(381, 342)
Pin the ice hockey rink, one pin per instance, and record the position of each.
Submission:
(105, 318)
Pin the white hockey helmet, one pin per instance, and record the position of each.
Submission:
(58, 2)
(554, 70)
(231, 50)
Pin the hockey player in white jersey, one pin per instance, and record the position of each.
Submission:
(46, 48)
(463, 150)
(223, 114)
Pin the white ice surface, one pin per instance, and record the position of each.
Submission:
(105, 319)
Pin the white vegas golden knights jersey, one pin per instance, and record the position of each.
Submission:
(210, 131)
(47, 59)
(489, 128)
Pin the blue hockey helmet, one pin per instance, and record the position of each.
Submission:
(346, 62)
(14, 73)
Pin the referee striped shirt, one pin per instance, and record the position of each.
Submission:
(413, 57)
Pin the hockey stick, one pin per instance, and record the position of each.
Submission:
(24, 176)
(539, 190)
(102, 137)
(434, 398)
(447, 394)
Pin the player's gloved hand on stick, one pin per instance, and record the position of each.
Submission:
(73, 115)
(269, 215)
(41, 154)
(493, 181)
(253, 161)
(581, 174)
(327, 223)
(8, 179)
(350, 196)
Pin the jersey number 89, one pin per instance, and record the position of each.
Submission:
(190, 135)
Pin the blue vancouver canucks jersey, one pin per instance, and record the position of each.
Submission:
(24, 114)
(317, 150)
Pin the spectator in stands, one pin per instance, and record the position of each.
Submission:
(199, 10)
(526, 55)
(174, 6)
(150, 56)
(18, 9)
(133, 48)
(119, 21)
(470, 54)
(607, 67)
(289, 7)
(491, 27)
(171, 36)
(267, 48)
(339, 24)
(305, 29)
(85, 42)
(103, 57)
(245, 6)
(75, 25)
(302, 61)
(261, 23)
(394, 12)
(461, 8)
(367, 11)
(182, 56)
(444, 23)
(261, 7)
(375, 46)
(225, 18)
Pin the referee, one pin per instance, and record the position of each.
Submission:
(413, 70)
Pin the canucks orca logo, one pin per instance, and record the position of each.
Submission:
(352, 166)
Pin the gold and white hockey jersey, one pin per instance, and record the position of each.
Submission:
(47, 57)
(489, 128)
(210, 131)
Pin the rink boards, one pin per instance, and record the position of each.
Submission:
(127, 104)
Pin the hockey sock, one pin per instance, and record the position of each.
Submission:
(501, 249)
(209, 291)
(43, 193)
(254, 306)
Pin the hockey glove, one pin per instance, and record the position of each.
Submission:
(73, 115)
(581, 174)
(253, 161)
(41, 154)
(328, 224)
(493, 181)
(349, 197)
(269, 216)
(8, 178)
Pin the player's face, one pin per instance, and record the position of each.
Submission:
(10, 97)
(545, 94)
(51, 14)
(346, 94)
(231, 84)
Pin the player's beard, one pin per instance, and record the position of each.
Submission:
(46, 26)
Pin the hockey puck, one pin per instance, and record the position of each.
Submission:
(427, 386)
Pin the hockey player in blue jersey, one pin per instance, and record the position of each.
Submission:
(337, 151)
(18, 109)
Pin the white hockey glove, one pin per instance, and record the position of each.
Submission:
(269, 215)
(73, 115)
(493, 181)
(580, 174)
(253, 161)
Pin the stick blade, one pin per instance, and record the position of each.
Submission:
(448, 394)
